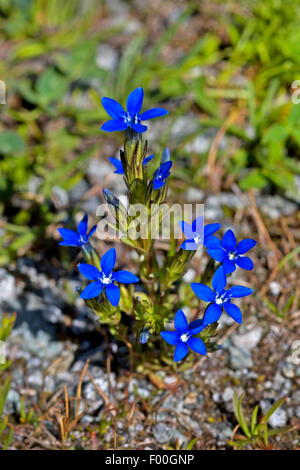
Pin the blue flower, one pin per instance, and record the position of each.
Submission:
(229, 252)
(162, 173)
(219, 297)
(184, 336)
(79, 238)
(197, 234)
(122, 119)
(145, 335)
(119, 167)
(105, 279)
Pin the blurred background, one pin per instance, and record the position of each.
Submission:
(226, 72)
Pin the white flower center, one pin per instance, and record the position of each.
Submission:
(106, 280)
(219, 301)
(184, 338)
(197, 239)
(232, 256)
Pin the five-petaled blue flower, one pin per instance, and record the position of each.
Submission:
(197, 234)
(79, 238)
(105, 279)
(122, 119)
(220, 297)
(229, 252)
(163, 172)
(119, 167)
(184, 336)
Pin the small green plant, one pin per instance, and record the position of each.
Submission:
(6, 325)
(6, 429)
(256, 433)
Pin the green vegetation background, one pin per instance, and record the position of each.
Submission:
(220, 65)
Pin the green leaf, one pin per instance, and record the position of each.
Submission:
(238, 411)
(254, 179)
(272, 410)
(275, 133)
(191, 444)
(11, 143)
(51, 86)
(254, 419)
(294, 116)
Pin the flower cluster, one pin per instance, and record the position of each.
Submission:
(107, 293)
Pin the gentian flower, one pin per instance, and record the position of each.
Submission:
(145, 335)
(163, 172)
(197, 234)
(119, 167)
(184, 336)
(220, 297)
(105, 279)
(79, 238)
(229, 253)
(132, 118)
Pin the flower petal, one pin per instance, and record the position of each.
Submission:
(70, 237)
(135, 101)
(187, 229)
(212, 242)
(203, 292)
(239, 291)
(153, 113)
(229, 241)
(108, 261)
(125, 277)
(234, 311)
(181, 351)
(196, 326)
(165, 167)
(113, 108)
(83, 225)
(166, 155)
(197, 226)
(118, 165)
(190, 245)
(92, 231)
(148, 159)
(157, 184)
(229, 266)
(92, 290)
(212, 314)
(171, 337)
(66, 243)
(209, 229)
(114, 125)
(89, 271)
(138, 127)
(181, 324)
(113, 294)
(219, 280)
(245, 245)
(245, 263)
(197, 345)
(216, 253)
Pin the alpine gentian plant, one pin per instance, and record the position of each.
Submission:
(229, 252)
(149, 299)
(220, 298)
(184, 336)
(132, 118)
(79, 238)
(105, 279)
(198, 235)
